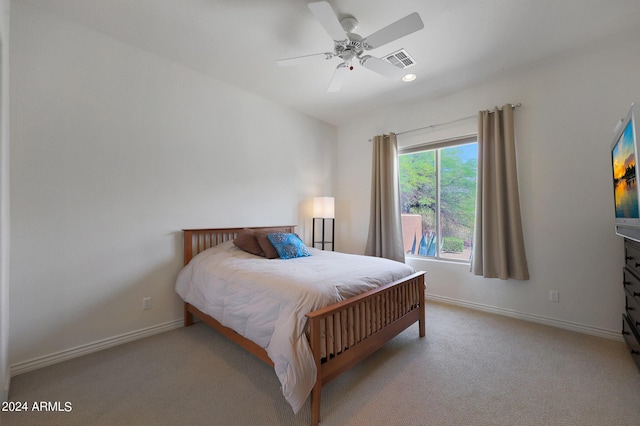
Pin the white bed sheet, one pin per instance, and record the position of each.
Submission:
(265, 300)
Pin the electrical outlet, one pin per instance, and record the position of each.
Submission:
(554, 296)
(146, 303)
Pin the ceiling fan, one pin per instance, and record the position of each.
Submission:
(349, 46)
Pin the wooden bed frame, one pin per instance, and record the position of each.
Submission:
(364, 322)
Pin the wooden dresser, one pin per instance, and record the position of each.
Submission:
(631, 316)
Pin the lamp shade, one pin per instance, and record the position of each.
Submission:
(323, 207)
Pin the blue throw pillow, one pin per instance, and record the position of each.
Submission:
(288, 246)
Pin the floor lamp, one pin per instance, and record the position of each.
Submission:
(323, 210)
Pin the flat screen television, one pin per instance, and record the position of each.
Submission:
(624, 153)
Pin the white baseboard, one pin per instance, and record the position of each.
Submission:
(43, 361)
(567, 325)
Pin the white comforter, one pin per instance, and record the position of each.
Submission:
(265, 300)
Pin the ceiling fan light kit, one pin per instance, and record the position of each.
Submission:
(349, 46)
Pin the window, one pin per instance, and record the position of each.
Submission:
(438, 198)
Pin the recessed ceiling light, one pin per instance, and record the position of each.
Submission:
(409, 77)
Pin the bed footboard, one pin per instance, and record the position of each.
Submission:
(361, 325)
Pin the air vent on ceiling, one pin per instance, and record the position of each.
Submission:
(400, 59)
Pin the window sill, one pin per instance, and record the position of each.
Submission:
(437, 259)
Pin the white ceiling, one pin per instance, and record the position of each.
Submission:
(463, 42)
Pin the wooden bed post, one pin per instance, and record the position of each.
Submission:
(188, 245)
(315, 341)
(188, 316)
(422, 321)
(188, 254)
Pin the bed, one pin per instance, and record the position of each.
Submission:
(329, 330)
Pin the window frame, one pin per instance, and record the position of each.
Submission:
(435, 146)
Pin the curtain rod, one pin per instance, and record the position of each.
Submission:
(433, 126)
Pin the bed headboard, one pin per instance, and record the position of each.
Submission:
(197, 240)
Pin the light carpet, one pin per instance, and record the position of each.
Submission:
(472, 368)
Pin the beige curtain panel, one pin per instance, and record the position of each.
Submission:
(498, 250)
(385, 223)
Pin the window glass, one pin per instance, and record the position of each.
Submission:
(438, 199)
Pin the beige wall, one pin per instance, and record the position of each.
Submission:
(114, 151)
(4, 199)
(564, 129)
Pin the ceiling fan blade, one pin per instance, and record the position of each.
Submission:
(299, 60)
(402, 27)
(382, 67)
(328, 19)
(338, 78)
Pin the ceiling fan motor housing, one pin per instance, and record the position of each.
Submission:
(349, 49)
(349, 23)
(349, 45)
